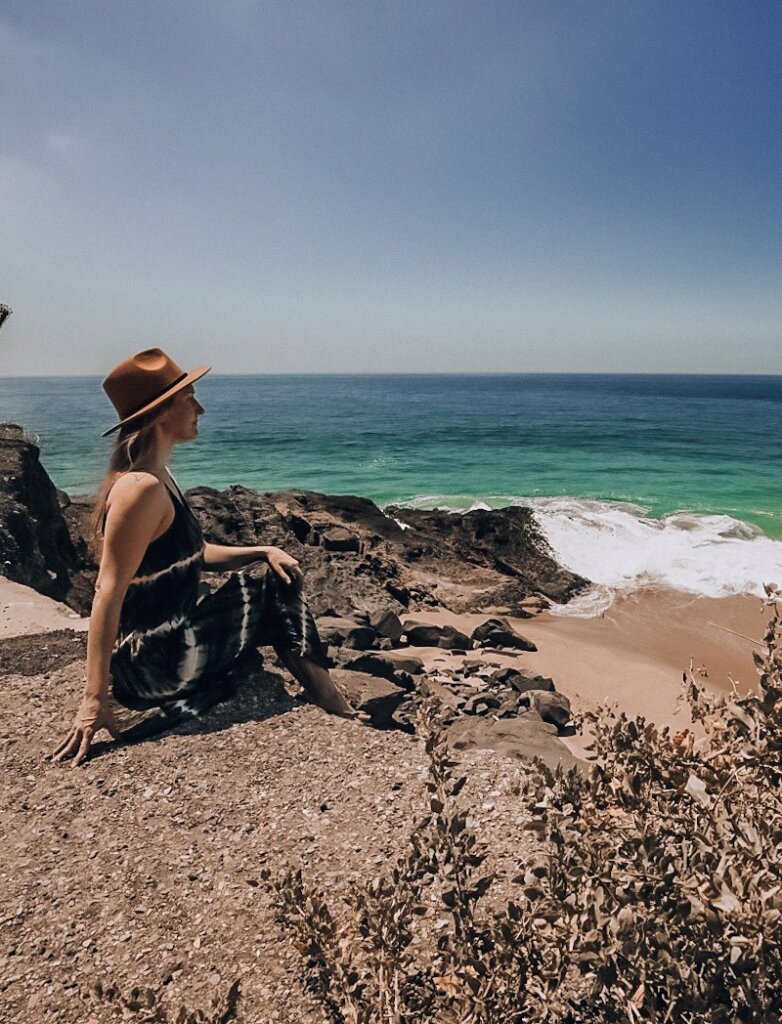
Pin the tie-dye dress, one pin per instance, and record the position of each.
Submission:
(175, 648)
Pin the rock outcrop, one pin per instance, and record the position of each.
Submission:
(36, 547)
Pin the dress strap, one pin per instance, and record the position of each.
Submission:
(176, 485)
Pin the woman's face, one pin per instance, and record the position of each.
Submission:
(180, 418)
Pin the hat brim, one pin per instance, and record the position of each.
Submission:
(189, 378)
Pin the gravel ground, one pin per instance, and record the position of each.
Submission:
(143, 866)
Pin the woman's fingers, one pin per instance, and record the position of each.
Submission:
(61, 746)
(68, 745)
(289, 572)
(86, 739)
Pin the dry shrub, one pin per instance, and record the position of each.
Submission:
(385, 965)
(654, 893)
(146, 1005)
(663, 885)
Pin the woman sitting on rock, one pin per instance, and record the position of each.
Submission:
(154, 646)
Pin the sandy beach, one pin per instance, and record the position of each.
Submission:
(635, 653)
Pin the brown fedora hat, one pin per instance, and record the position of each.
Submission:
(145, 380)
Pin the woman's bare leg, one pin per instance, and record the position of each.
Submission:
(318, 684)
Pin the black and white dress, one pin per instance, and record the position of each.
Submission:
(175, 648)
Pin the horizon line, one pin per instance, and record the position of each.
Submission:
(421, 373)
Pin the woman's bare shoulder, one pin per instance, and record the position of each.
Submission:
(135, 487)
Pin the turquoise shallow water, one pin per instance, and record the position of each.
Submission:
(636, 481)
(707, 444)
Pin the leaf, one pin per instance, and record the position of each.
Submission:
(458, 786)
(740, 714)
(727, 902)
(457, 824)
(697, 790)
(448, 983)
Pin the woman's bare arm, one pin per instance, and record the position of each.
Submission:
(222, 558)
(138, 507)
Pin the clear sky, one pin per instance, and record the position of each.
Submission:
(392, 186)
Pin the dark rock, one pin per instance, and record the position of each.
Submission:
(480, 703)
(524, 737)
(521, 682)
(498, 557)
(337, 538)
(397, 670)
(334, 629)
(499, 633)
(35, 545)
(378, 697)
(444, 694)
(360, 638)
(402, 594)
(407, 663)
(343, 632)
(387, 623)
(552, 707)
(347, 583)
(472, 665)
(421, 634)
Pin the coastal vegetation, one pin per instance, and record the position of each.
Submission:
(654, 892)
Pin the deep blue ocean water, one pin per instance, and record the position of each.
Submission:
(708, 445)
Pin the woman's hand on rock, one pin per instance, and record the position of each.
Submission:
(286, 566)
(93, 715)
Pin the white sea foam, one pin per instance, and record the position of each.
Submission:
(621, 548)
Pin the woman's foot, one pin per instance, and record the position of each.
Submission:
(341, 707)
(319, 688)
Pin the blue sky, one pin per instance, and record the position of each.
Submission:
(430, 186)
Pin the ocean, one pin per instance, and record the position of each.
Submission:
(635, 479)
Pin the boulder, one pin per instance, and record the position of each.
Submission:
(386, 623)
(523, 738)
(500, 633)
(399, 671)
(472, 665)
(334, 629)
(360, 638)
(378, 697)
(35, 545)
(552, 707)
(337, 538)
(422, 634)
(480, 703)
(521, 682)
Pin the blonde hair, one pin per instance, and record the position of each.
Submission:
(133, 444)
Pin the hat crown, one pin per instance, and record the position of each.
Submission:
(141, 379)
